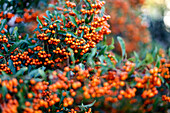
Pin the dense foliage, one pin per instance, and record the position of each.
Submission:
(65, 64)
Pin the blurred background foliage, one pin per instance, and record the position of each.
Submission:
(157, 14)
(142, 23)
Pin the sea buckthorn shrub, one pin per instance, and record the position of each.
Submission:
(126, 23)
(67, 66)
(62, 36)
(84, 88)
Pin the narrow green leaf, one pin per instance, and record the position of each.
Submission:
(104, 40)
(167, 85)
(21, 71)
(15, 33)
(4, 74)
(103, 50)
(77, 14)
(38, 79)
(55, 13)
(91, 18)
(93, 52)
(3, 22)
(15, 30)
(149, 58)
(39, 21)
(21, 97)
(136, 56)
(87, 3)
(158, 61)
(64, 19)
(72, 55)
(90, 57)
(4, 91)
(72, 34)
(41, 72)
(17, 44)
(46, 18)
(89, 105)
(131, 59)
(33, 73)
(5, 47)
(101, 58)
(62, 97)
(82, 34)
(61, 32)
(155, 51)
(1, 54)
(73, 20)
(48, 14)
(11, 66)
(26, 37)
(122, 44)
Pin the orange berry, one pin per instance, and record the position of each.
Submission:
(29, 95)
(64, 93)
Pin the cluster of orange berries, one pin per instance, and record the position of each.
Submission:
(46, 95)
(12, 104)
(43, 98)
(128, 93)
(8, 15)
(95, 8)
(149, 93)
(88, 41)
(10, 107)
(94, 86)
(43, 54)
(128, 66)
(18, 19)
(19, 58)
(70, 4)
(165, 98)
(37, 48)
(82, 45)
(95, 90)
(3, 39)
(143, 83)
(164, 69)
(61, 51)
(27, 17)
(68, 101)
(42, 36)
(155, 81)
(3, 67)
(99, 5)
(11, 85)
(54, 41)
